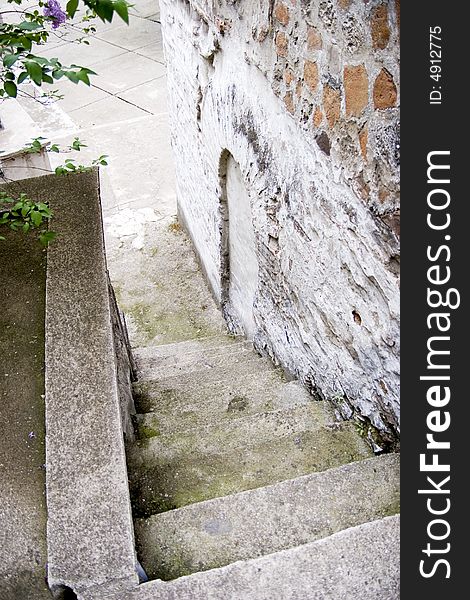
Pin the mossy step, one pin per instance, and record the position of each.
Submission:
(157, 361)
(236, 357)
(250, 524)
(230, 370)
(361, 562)
(178, 349)
(236, 433)
(193, 470)
(177, 409)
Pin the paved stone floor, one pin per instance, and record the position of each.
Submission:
(124, 115)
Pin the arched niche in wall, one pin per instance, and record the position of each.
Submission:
(239, 260)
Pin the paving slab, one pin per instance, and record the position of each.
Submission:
(145, 8)
(76, 96)
(153, 51)
(140, 32)
(126, 71)
(126, 143)
(151, 96)
(96, 51)
(106, 110)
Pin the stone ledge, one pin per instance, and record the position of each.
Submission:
(90, 536)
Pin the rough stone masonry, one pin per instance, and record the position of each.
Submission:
(297, 102)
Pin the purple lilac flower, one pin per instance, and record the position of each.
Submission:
(55, 12)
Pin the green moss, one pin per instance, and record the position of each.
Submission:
(146, 432)
(167, 325)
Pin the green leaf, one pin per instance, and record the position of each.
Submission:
(47, 78)
(77, 144)
(122, 9)
(34, 71)
(29, 26)
(46, 237)
(71, 8)
(9, 60)
(36, 218)
(22, 76)
(104, 9)
(11, 89)
(83, 76)
(24, 42)
(72, 76)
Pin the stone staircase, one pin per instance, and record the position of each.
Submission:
(233, 462)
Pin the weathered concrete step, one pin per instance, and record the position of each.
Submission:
(236, 433)
(362, 562)
(155, 362)
(176, 410)
(250, 524)
(179, 349)
(231, 374)
(164, 478)
(235, 358)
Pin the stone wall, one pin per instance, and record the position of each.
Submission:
(303, 96)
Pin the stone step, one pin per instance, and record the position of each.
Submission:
(159, 368)
(250, 524)
(181, 349)
(235, 433)
(359, 562)
(176, 409)
(168, 472)
(234, 357)
(229, 376)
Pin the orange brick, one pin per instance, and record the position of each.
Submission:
(356, 88)
(317, 117)
(288, 76)
(314, 41)
(363, 138)
(385, 91)
(289, 103)
(311, 74)
(379, 27)
(331, 104)
(281, 12)
(282, 45)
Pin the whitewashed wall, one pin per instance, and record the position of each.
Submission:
(327, 303)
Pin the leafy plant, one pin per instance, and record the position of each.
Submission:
(23, 214)
(19, 64)
(71, 167)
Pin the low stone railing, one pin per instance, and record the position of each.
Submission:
(88, 373)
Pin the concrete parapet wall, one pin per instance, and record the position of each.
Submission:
(89, 524)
